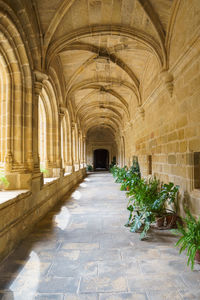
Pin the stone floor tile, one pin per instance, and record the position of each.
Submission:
(49, 297)
(155, 282)
(156, 266)
(81, 297)
(67, 268)
(122, 268)
(58, 285)
(190, 294)
(80, 246)
(191, 279)
(100, 255)
(164, 295)
(124, 296)
(102, 284)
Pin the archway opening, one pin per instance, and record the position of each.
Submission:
(101, 159)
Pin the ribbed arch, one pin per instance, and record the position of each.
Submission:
(18, 152)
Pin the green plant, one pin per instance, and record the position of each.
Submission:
(120, 174)
(44, 171)
(190, 237)
(166, 197)
(89, 168)
(143, 194)
(113, 163)
(3, 181)
(148, 200)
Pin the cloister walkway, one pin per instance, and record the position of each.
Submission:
(81, 250)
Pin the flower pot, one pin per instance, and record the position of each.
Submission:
(197, 257)
(160, 221)
(172, 220)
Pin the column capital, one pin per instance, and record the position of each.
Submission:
(167, 79)
(40, 76)
(73, 124)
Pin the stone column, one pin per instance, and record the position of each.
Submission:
(75, 147)
(59, 170)
(84, 151)
(81, 153)
(37, 177)
(8, 154)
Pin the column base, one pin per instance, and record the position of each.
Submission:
(37, 182)
(76, 167)
(57, 172)
(18, 181)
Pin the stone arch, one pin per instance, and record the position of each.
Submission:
(5, 82)
(49, 102)
(18, 152)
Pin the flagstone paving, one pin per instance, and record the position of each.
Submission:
(82, 251)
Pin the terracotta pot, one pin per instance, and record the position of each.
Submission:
(197, 257)
(171, 221)
(160, 221)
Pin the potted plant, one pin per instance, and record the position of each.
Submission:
(89, 168)
(3, 181)
(165, 207)
(190, 238)
(143, 194)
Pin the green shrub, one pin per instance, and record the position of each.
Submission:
(190, 237)
(148, 200)
(89, 168)
(3, 181)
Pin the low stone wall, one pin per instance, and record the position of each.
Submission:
(18, 215)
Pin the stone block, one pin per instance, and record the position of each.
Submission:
(183, 146)
(194, 145)
(171, 159)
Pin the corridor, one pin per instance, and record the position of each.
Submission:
(81, 250)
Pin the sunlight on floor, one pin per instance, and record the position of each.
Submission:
(62, 219)
(83, 184)
(76, 195)
(28, 279)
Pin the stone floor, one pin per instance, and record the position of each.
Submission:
(81, 250)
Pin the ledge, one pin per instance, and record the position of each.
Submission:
(6, 196)
(48, 180)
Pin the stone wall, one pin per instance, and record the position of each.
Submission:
(18, 215)
(169, 129)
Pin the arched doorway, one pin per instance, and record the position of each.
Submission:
(101, 159)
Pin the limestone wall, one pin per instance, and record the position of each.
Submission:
(169, 129)
(18, 215)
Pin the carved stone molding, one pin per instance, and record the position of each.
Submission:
(167, 80)
(140, 112)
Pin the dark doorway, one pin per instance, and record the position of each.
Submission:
(101, 159)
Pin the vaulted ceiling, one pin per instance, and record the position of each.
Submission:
(104, 50)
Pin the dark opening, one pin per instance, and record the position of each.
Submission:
(149, 165)
(197, 170)
(101, 159)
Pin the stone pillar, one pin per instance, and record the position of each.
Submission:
(59, 170)
(75, 146)
(81, 153)
(84, 152)
(8, 154)
(37, 177)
